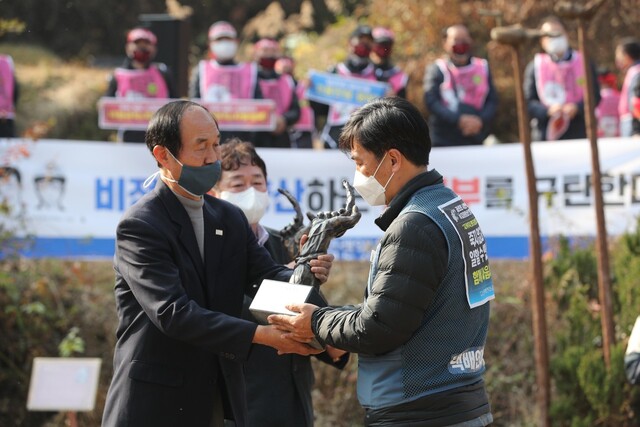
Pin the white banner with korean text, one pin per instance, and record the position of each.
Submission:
(64, 198)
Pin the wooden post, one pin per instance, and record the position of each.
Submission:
(583, 14)
(514, 36)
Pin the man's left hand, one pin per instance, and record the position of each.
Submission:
(297, 327)
(321, 266)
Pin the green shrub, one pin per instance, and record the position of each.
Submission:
(585, 393)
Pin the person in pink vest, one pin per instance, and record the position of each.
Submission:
(303, 131)
(554, 85)
(8, 97)
(281, 89)
(139, 77)
(459, 93)
(220, 78)
(628, 61)
(607, 110)
(385, 69)
(357, 64)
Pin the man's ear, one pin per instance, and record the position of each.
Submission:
(396, 158)
(161, 154)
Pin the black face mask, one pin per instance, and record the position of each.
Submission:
(197, 180)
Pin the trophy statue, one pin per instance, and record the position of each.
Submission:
(293, 232)
(323, 228)
(303, 286)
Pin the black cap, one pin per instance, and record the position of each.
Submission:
(362, 30)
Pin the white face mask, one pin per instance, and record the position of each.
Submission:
(224, 50)
(253, 203)
(369, 188)
(557, 45)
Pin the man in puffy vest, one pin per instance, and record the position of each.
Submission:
(628, 60)
(459, 93)
(385, 69)
(554, 85)
(221, 78)
(8, 97)
(421, 330)
(356, 65)
(139, 77)
(280, 88)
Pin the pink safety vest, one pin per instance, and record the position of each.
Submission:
(559, 82)
(368, 73)
(137, 83)
(306, 122)
(226, 82)
(398, 80)
(625, 107)
(467, 85)
(280, 90)
(7, 87)
(339, 113)
(607, 112)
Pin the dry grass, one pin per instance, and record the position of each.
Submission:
(55, 92)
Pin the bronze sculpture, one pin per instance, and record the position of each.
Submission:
(324, 227)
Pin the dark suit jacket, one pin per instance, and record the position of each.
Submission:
(279, 387)
(179, 335)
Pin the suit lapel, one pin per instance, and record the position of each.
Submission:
(187, 237)
(214, 240)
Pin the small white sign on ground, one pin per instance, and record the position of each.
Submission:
(63, 384)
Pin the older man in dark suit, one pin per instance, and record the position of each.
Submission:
(183, 262)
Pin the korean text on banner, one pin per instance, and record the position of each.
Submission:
(233, 115)
(328, 88)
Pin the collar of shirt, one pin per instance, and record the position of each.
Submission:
(261, 234)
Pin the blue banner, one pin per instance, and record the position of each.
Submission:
(328, 88)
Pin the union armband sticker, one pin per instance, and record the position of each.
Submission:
(477, 274)
(469, 361)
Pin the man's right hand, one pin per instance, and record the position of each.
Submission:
(281, 341)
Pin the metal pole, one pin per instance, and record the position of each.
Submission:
(583, 13)
(604, 272)
(514, 36)
(535, 253)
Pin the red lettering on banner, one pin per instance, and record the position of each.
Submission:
(467, 189)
